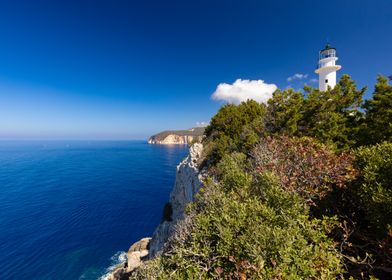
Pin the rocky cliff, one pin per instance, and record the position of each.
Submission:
(177, 136)
(187, 184)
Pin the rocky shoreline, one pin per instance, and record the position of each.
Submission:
(187, 184)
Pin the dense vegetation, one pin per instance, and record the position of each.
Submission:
(299, 188)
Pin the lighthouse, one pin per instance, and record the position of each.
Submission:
(327, 68)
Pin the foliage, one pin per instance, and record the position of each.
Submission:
(284, 112)
(378, 124)
(303, 165)
(289, 193)
(332, 116)
(374, 184)
(250, 235)
(231, 119)
(234, 128)
(151, 270)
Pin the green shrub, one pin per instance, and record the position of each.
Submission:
(284, 112)
(234, 128)
(151, 270)
(231, 119)
(374, 184)
(230, 171)
(263, 234)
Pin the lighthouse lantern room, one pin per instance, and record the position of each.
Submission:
(327, 68)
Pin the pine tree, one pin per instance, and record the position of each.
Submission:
(284, 112)
(378, 123)
(333, 116)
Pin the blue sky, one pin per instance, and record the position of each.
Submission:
(128, 69)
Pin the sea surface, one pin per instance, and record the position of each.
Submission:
(69, 209)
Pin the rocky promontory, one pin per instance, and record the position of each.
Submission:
(170, 137)
(188, 182)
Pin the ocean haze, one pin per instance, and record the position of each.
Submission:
(68, 208)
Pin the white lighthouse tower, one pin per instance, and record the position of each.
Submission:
(327, 68)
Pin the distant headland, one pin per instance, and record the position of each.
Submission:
(170, 137)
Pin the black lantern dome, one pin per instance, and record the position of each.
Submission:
(328, 51)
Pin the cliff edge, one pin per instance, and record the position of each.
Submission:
(187, 184)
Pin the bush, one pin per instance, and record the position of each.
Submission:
(284, 112)
(302, 165)
(231, 119)
(266, 234)
(374, 184)
(230, 171)
(234, 128)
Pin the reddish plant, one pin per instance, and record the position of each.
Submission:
(303, 165)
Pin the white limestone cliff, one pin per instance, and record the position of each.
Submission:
(187, 184)
(172, 139)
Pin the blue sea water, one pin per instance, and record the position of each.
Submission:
(69, 208)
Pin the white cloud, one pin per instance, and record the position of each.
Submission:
(202, 124)
(297, 76)
(313, 81)
(242, 90)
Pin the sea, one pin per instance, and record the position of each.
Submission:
(70, 209)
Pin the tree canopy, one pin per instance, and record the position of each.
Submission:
(298, 188)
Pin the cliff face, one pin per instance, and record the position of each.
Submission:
(187, 184)
(177, 136)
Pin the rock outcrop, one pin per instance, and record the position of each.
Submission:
(137, 252)
(187, 184)
(170, 137)
(135, 256)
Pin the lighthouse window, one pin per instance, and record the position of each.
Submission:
(326, 81)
